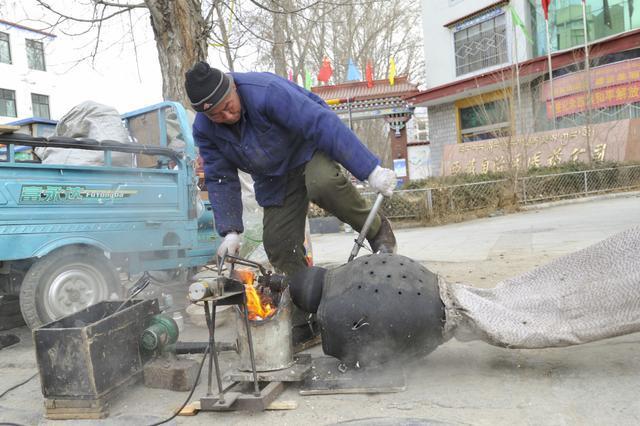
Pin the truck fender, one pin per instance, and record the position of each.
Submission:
(63, 242)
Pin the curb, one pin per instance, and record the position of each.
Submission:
(580, 200)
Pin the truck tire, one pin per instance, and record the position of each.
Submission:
(66, 281)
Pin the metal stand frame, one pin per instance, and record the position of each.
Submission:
(236, 396)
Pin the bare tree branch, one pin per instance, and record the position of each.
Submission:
(48, 7)
(126, 5)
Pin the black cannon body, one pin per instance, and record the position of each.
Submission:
(375, 309)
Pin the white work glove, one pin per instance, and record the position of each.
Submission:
(230, 245)
(382, 180)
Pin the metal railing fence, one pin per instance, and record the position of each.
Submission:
(435, 203)
(574, 184)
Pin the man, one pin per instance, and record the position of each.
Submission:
(289, 140)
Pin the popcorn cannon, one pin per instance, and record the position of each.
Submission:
(386, 307)
(264, 343)
(374, 309)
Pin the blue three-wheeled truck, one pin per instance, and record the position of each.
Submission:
(69, 233)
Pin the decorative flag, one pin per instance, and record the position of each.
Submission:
(517, 21)
(545, 8)
(307, 80)
(369, 74)
(325, 71)
(392, 71)
(353, 74)
(290, 74)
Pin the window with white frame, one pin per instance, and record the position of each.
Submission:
(422, 130)
(35, 55)
(8, 103)
(5, 48)
(40, 105)
(480, 42)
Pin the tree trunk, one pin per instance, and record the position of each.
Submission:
(181, 38)
(278, 47)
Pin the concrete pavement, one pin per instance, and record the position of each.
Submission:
(558, 230)
(459, 383)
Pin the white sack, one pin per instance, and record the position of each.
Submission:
(93, 121)
(588, 295)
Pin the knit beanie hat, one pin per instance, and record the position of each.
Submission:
(206, 85)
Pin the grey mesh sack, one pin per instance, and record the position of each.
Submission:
(93, 121)
(588, 295)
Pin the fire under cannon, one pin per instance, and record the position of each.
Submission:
(386, 307)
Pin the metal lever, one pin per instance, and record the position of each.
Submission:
(365, 227)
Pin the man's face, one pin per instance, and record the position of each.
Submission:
(227, 111)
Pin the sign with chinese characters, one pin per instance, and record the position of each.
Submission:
(612, 141)
(612, 84)
(478, 19)
(66, 194)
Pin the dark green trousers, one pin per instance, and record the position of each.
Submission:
(321, 181)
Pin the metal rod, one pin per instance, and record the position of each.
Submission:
(89, 144)
(245, 310)
(553, 102)
(245, 262)
(430, 201)
(586, 185)
(207, 316)
(519, 100)
(365, 227)
(215, 354)
(587, 68)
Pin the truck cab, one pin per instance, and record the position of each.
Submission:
(69, 234)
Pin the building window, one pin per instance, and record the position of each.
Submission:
(8, 103)
(484, 117)
(604, 19)
(422, 131)
(480, 45)
(40, 105)
(35, 55)
(5, 48)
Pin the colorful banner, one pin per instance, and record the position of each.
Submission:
(325, 71)
(518, 22)
(369, 74)
(600, 98)
(612, 84)
(353, 74)
(602, 76)
(545, 8)
(392, 71)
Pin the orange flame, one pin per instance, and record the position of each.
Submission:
(259, 307)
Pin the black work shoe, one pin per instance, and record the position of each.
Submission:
(384, 241)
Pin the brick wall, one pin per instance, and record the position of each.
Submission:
(525, 125)
(442, 131)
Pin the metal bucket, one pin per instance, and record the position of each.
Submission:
(272, 344)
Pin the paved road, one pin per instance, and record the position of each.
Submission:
(557, 230)
(460, 383)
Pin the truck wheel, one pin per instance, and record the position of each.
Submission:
(66, 281)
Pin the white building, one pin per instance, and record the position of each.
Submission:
(26, 86)
(471, 48)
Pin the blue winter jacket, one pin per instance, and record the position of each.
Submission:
(281, 127)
